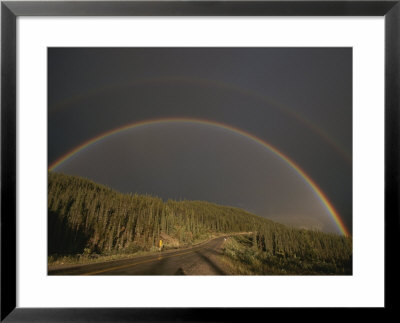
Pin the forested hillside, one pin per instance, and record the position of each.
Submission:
(85, 217)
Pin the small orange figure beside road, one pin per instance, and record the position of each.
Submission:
(160, 245)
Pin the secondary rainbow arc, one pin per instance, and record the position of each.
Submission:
(224, 85)
(321, 195)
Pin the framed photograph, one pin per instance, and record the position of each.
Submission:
(162, 158)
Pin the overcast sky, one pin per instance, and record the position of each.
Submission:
(297, 99)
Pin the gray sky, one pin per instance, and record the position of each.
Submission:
(297, 99)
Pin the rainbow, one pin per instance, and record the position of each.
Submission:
(255, 95)
(321, 195)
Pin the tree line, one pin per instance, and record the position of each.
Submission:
(84, 216)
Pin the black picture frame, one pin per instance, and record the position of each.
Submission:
(10, 10)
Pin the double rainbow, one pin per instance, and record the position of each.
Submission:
(323, 198)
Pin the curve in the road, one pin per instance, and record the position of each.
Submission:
(171, 263)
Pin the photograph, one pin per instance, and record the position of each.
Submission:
(199, 161)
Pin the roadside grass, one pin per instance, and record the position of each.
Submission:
(89, 258)
(242, 258)
(239, 257)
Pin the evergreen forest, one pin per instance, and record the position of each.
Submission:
(88, 218)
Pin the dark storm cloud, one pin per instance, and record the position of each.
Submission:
(298, 99)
